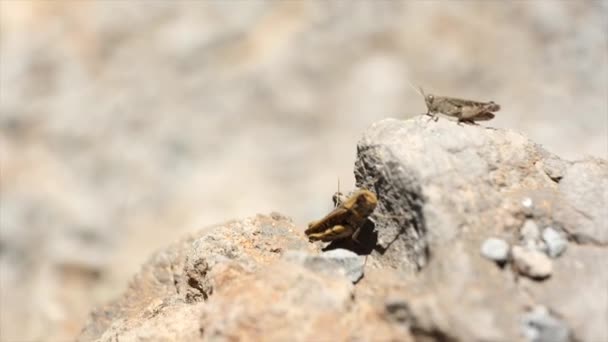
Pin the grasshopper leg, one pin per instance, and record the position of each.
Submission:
(334, 233)
(433, 116)
(467, 121)
(356, 235)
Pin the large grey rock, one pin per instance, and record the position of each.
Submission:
(452, 178)
(443, 188)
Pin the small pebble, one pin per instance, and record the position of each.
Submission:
(541, 246)
(531, 262)
(556, 242)
(538, 325)
(529, 231)
(495, 249)
(531, 237)
(528, 206)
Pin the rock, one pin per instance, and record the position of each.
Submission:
(412, 166)
(539, 325)
(556, 242)
(440, 186)
(555, 167)
(531, 263)
(225, 283)
(530, 232)
(531, 237)
(576, 291)
(528, 206)
(278, 303)
(178, 279)
(443, 188)
(495, 249)
(340, 262)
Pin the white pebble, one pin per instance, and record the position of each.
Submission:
(528, 206)
(556, 242)
(527, 202)
(495, 249)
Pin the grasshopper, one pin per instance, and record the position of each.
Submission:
(465, 110)
(345, 220)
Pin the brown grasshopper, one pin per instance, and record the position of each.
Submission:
(346, 219)
(465, 110)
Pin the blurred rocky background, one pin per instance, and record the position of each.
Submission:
(125, 124)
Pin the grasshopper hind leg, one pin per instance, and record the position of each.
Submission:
(336, 232)
(355, 236)
(467, 121)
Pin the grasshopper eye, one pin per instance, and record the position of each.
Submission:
(430, 98)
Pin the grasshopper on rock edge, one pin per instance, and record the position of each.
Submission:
(465, 110)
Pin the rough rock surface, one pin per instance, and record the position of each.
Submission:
(443, 190)
(185, 274)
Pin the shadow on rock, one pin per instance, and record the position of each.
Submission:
(365, 244)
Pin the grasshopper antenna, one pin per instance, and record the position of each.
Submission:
(422, 92)
(416, 89)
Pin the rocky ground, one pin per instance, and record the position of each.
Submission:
(480, 235)
(127, 124)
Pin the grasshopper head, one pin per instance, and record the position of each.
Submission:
(428, 99)
(366, 202)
